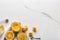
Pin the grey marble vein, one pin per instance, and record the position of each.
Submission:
(42, 13)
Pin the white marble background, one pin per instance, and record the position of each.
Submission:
(15, 10)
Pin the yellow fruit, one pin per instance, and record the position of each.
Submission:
(30, 34)
(16, 26)
(24, 28)
(21, 36)
(34, 28)
(9, 35)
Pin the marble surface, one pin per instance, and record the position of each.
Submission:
(30, 12)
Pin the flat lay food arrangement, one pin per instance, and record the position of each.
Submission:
(17, 31)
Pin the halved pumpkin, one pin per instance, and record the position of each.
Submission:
(16, 26)
(9, 35)
(21, 36)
